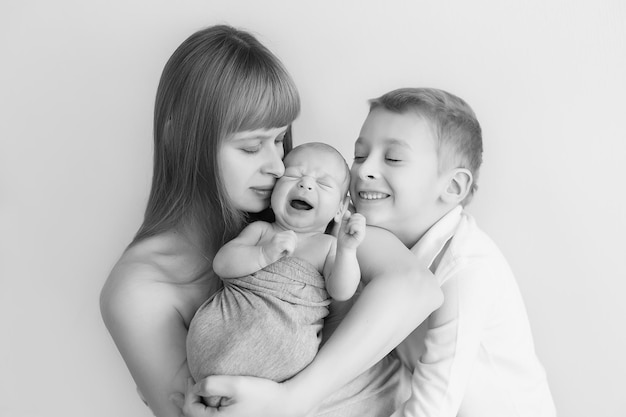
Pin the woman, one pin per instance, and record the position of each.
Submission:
(221, 127)
(223, 112)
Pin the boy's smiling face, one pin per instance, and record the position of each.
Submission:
(395, 181)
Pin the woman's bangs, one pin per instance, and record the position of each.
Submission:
(265, 105)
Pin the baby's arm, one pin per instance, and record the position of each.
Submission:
(253, 250)
(341, 269)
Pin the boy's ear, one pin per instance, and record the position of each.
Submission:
(458, 186)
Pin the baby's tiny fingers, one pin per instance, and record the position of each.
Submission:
(357, 217)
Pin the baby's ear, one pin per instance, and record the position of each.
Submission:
(335, 223)
(458, 186)
(343, 206)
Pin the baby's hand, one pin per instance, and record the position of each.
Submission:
(282, 244)
(352, 231)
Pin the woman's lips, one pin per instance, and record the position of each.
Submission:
(264, 192)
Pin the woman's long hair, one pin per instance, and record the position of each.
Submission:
(219, 81)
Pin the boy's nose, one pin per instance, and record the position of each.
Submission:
(368, 171)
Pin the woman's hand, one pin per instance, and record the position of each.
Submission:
(242, 396)
(191, 404)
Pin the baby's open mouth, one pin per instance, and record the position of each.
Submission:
(301, 205)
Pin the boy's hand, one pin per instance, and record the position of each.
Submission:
(282, 244)
(352, 230)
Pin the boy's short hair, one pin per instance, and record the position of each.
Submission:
(458, 133)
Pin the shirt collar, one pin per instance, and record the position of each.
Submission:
(432, 243)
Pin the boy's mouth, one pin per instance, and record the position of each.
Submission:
(300, 205)
(371, 195)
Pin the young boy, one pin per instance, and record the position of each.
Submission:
(415, 167)
(267, 319)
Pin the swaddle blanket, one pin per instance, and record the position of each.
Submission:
(267, 324)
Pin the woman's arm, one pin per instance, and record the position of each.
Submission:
(400, 294)
(150, 333)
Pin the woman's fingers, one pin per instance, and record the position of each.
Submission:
(243, 396)
(218, 385)
(178, 399)
(192, 405)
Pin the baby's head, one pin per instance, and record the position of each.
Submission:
(312, 191)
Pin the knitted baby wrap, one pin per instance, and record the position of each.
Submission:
(267, 324)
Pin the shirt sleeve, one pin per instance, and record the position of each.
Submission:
(452, 341)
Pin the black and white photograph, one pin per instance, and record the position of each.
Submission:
(274, 208)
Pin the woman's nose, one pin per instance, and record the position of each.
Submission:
(274, 165)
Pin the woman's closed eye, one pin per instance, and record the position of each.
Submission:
(252, 149)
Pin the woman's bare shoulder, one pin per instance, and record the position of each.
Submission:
(133, 287)
(155, 276)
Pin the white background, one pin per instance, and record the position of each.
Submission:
(77, 84)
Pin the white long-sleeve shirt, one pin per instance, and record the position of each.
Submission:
(474, 356)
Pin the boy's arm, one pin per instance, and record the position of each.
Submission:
(341, 269)
(441, 375)
(246, 253)
(400, 295)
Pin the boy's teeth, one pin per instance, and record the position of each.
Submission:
(371, 195)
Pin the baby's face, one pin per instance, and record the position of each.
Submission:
(311, 191)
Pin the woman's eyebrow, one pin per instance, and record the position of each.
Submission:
(250, 136)
(257, 135)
